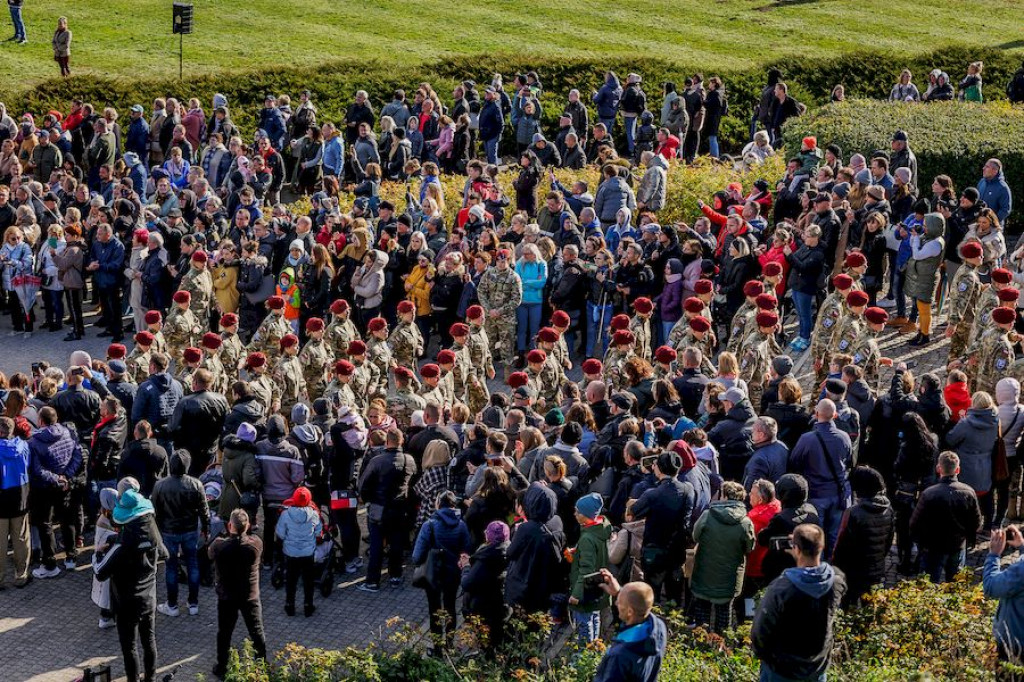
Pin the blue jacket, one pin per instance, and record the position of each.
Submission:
(700, 478)
(298, 528)
(996, 194)
(156, 399)
(767, 462)
(334, 155)
(612, 195)
(607, 98)
(492, 121)
(272, 123)
(1006, 585)
(808, 460)
(14, 455)
(54, 453)
(445, 530)
(110, 256)
(635, 654)
(137, 140)
(534, 276)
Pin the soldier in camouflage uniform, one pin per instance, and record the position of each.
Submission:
(339, 392)
(430, 390)
(699, 336)
(182, 328)
(547, 341)
(137, 361)
(664, 362)
(288, 374)
(560, 322)
(197, 281)
(593, 370)
(481, 364)
(742, 323)
(116, 351)
(640, 325)
(315, 358)
(405, 340)
(756, 354)
(988, 300)
(693, 308)
(232, 350)
(543, 376)
(619, 352)
(462, 368)
(364, 378)
(155, 324)
(274, 327)
(263, 387)
(851, 325)
(446, 361)
(190, 359)
(500, 292)
(341, 331)
(404, 401)
(855, 265)
(866, 353)
(829, 314)
(212, 345)
(991, 356)
(962, 302)
(378, 351)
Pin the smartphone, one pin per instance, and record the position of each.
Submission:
(77, 371)
(648, 461)
(36, 367)
(593, 580)
(780, 544)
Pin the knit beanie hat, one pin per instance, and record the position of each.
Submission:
(496, 532)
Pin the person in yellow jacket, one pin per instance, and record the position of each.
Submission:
(225, 279)
(418, 283)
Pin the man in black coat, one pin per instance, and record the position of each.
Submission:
(143, 459)
(107, 442)
(78, 404)
(119, 385)
(535, 554)
(197, 422)
(433, 430)
(733, 435)
(237, 560)
(690, 385)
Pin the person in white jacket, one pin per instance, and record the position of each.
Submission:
(53, 290)
(133, 273)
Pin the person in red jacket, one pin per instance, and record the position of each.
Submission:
(763, 506)
(957, 395)
(668, 144)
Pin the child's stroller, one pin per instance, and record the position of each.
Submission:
(325, 556)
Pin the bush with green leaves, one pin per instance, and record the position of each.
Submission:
(951, 138)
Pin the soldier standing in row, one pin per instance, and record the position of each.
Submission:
(560, 322)
(640, 325)
(190, 359)
(274, 327)
(620, 350)
(699, 336)
(339, 391)
(446, 363)
(693, 307)
(865, 350)
(263, 387)
(155, 324)
(341, 331)
(742, 323)
(232, 351)
(182, 328)
(664, 362)
(964, 294)
(1002, 280)
(851, 325)
(315, 358)
(211, 344)
(989, 359)
(430, 391)
(547, 341)
(756, 355)
(288, 374)
(405, 340)
(197, 281)
(593, 370)
(500, 292)
(138, 361)
(829, 314)
(405, 401)
(378, 351)
(462, 372)
(855, 265)
(364, 379)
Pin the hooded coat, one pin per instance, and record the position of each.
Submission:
(239, 469)
(179, 500)
(922, 270)
(791, 491)
(635, 653)
(733, 437)
(368, 282)
(653, 186)
(591, 555)
(613, 194)
(864, 540)
(972, 440)
(724, 537)
(535, 553)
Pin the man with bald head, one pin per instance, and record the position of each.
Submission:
(636, 652)
(824, 457)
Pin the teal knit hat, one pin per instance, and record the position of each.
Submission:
(130, 506)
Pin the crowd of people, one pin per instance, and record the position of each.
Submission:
(274, 400)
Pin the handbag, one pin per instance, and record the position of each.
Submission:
(428, 574)
(247, 500)
(1000, 464)
(265, 291)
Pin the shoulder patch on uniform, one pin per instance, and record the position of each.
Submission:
(963, 286)
(1001, 364)
(828, 322)
(844, 344)
(857, 358)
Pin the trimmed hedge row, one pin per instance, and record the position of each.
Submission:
(333, 84)
(947, 137)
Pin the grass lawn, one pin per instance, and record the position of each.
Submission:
(132, 38)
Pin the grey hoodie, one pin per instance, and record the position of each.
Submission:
(368, 282)
(652, 188)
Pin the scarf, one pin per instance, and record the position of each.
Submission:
(99, 427)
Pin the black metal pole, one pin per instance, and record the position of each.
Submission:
(181, 49)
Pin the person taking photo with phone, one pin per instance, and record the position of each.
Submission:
(1006, 585)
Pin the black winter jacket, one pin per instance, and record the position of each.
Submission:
(145, 461)
(179, 499)
(865, 537)
(196, 425)
(131, 564)
(946, 517)
(107, 444)
(535, 553)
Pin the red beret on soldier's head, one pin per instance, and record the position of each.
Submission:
(548, 335)
(474, 312)
(275, 303)
(693, 305)
(314, 324)
(340, 306)
(700, 324)
(703, 286)
(773, 269)
(842, 282)
(1008, 295)
(403, 373)
(767, 319)
(289, 340)
(623, 337)
(592, 366)
(377, 324)
(857, 298)
(665, 354)
(536, 356)
(1002, 276)
(356, 347)
(876, 316)
(1004, 315)
(970, 250)
(255, 360)
(430, 371)
(406, 307)
(199, 256)
(192, 355)
(228, 320)
(458, 329)
(856, 259)
(559, 318)
(182, 296)
(153, 317)
(643, 305)
(753, 287)
(517, 379)
(766, 302)
(116, 351)
(619, 322)
(446, 357)
(344, 368)
(211, 341)
(144, 338)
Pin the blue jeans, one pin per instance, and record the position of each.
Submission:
(594, 328)
(588, 626)
(19, 25)
(187, 544)
(805, 313)
(769, 675)
(938, 565)
(713, 145)
(491, 149)
(629, 123)
(666, 329)
(527, 324)
(609, 123)
(830, 513)
(898, 280)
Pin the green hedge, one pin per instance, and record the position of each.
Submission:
(948, 137)
(865, 74)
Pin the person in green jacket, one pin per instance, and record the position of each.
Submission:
(724, 537)
(588, 557)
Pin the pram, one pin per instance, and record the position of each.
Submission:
(325, 556)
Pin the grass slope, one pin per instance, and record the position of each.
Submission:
(132, 38)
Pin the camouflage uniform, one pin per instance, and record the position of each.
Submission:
(433, 394)
(406, 344)
(288, 376)
(315, 359)
(159, 342)
(829, 315)
(641, 328)
(339, 334)
(267, 391)
(993, 354)
(680, 329)
(341, 394)
(181, 330)
(461, 372)
(550, 381)
(232, 351)
(211, 361)
(402, 404)
(858, 285)
(501, 291)
(267, 338)
(706, 346)
(137, 363)
(988, 300)
(200, 285)
(867, 355)
(661, 373)
(755, 355)
(535, 380)
(362, 384)
(185, 376)
(447, 386)
(850, 328)
(740, 327)
(962, 304)
(479, 362)
(614, 359)
(378, 352)
(561, 352)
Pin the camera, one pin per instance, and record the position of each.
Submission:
(648, 461)
(592, 580)
(780, 544)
